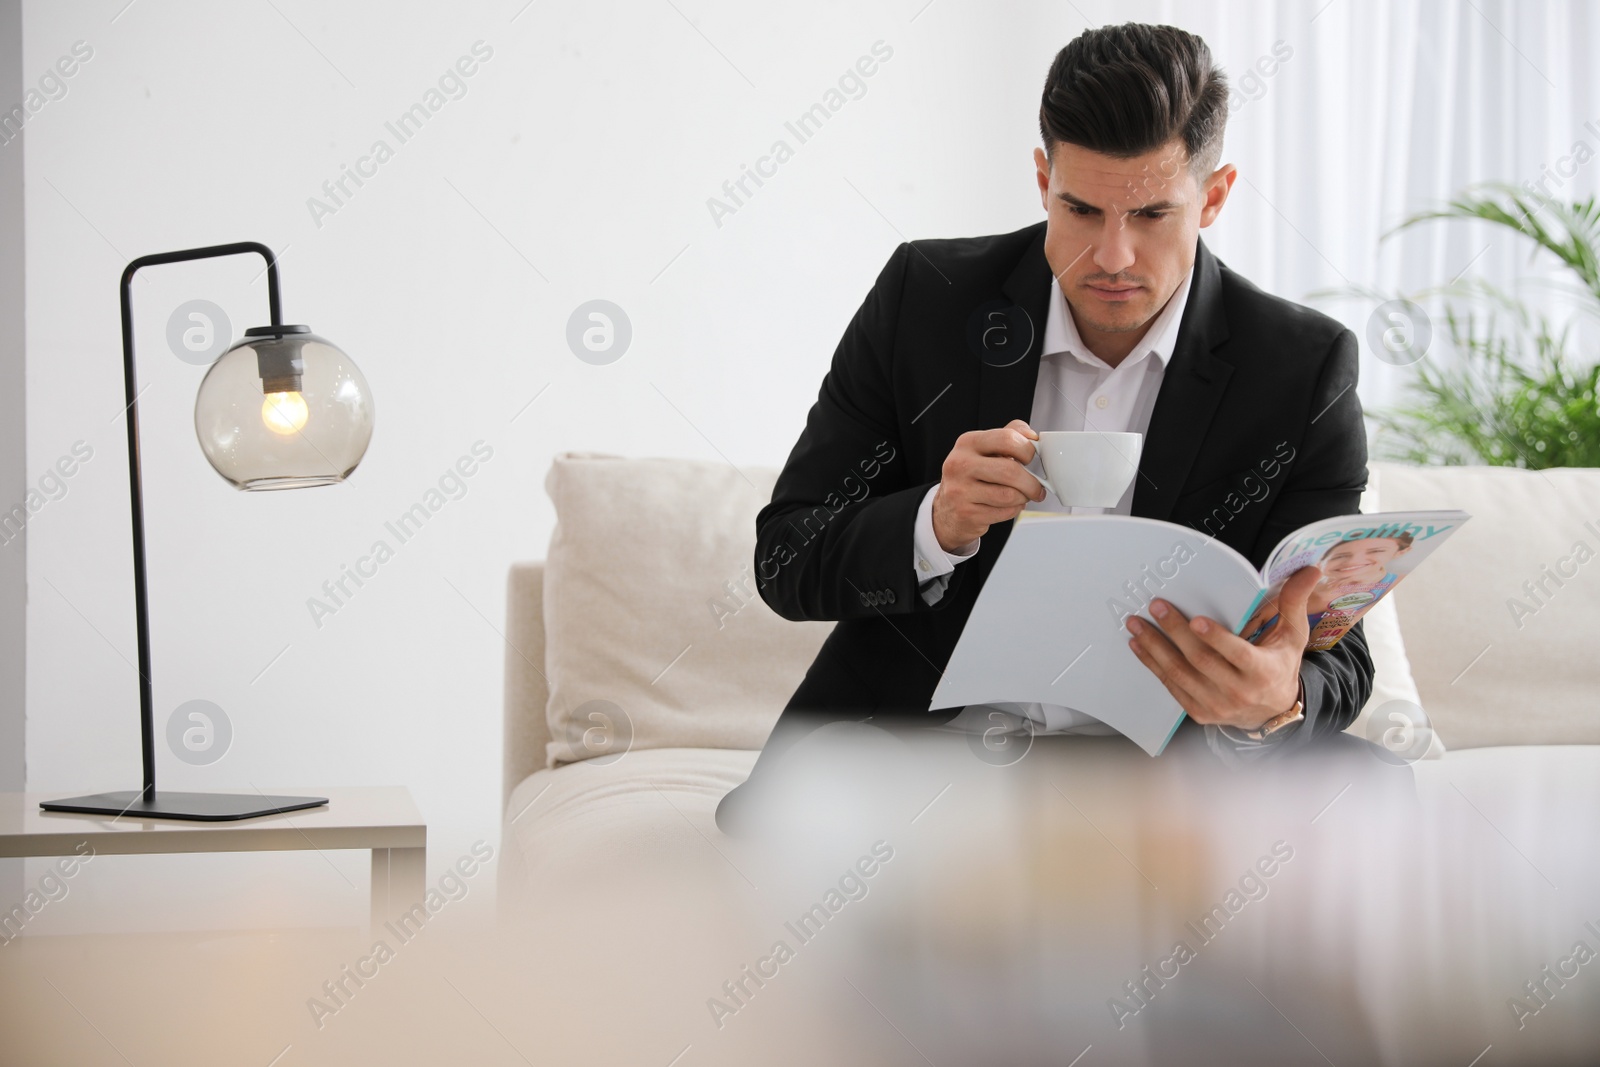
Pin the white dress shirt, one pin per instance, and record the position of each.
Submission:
(1076, 390)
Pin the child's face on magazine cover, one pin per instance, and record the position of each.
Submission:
(1364, 560)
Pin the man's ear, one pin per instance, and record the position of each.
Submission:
(1041, 164)
(1214, 192)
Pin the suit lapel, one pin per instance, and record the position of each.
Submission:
(1005, 388)
(1191, 388)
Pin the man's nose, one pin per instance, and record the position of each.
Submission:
(1114, 251)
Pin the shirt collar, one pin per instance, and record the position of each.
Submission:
(1061, 332)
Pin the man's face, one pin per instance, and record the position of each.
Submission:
(1120, 235)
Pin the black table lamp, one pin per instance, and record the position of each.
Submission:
(282, 409)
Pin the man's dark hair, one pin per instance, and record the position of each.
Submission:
(1126, 90)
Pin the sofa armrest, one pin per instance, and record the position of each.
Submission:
(527, 692)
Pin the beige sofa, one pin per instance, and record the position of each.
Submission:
(642, 667)
(642, 674)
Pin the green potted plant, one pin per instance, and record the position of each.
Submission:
(1515, 396)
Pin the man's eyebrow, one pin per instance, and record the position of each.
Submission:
(1158, 205)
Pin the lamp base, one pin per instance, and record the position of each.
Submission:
(193, 807)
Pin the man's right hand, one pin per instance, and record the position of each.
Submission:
(982, 482)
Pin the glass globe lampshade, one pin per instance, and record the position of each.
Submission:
(283, 409)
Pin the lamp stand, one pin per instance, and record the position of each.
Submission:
(146, 802)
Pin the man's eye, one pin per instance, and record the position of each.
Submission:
(1080, 210)
(1151, 214)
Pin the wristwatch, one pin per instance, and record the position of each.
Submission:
(1276, 726)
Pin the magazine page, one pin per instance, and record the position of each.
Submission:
(1362, 558)
(1048, 625)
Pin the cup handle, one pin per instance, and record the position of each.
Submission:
(1042, 479)
(1046, 483)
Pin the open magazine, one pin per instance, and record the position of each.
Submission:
(1047, 630)
(1362, 557)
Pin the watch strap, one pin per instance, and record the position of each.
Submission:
(1275, 726)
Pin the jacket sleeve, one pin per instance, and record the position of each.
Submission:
(836, 540)
(1325, 479)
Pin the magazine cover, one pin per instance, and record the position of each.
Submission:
(1362, 558)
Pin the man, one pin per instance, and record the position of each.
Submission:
(1111, 315)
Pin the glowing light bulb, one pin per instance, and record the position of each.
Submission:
(284, 413)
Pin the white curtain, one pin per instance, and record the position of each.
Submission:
(1383, 109)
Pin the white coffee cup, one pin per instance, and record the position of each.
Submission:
(1088, 469)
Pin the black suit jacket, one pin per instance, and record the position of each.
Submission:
(1256, 431)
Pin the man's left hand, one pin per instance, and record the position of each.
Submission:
(1218, 677)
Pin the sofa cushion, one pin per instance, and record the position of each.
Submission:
(1391, 669)
(1502, 621)
(655, 634)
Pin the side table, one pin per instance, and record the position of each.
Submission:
(380, 818)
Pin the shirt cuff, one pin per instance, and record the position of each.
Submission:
(931, 560)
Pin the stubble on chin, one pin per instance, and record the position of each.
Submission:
(1132, 319)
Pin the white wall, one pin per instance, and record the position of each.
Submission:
(13, 430)
(591, 141)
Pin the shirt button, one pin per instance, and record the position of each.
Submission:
(1101, 401)
(924, 565)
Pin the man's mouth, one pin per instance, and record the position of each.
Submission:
(1115, 292)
